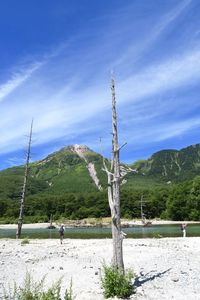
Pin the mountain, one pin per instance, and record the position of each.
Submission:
(74, 168)
(78, 169)
(171, 165)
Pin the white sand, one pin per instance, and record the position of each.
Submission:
(26, 226)
(82, 223)
(167, 268)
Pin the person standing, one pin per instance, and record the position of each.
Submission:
(183, 228)
(61, 233)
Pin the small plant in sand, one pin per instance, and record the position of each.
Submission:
(157, 236)
(116, 282)
(69, 293)
(31, 290)
(25, 241)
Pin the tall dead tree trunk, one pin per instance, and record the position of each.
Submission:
(116, 221)
(114, 190)
(21, 211)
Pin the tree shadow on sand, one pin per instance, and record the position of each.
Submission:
(140, 280)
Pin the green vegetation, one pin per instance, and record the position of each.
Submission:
(61, 172)
(31, 290)
(60, 185)
(117, 283)
(172, 165)
(25, 241)
(69, 293)
(177, 202)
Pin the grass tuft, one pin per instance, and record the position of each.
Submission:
(31, 290)
(25, 242)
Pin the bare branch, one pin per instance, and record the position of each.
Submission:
(122, 146)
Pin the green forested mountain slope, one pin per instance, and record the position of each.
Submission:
(71, 183)
(172, 165)
(76, 169)
(63, 171)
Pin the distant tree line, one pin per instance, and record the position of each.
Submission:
(176, 202)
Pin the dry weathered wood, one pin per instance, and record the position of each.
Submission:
(114, 179)
(116, 221)
(21, 212)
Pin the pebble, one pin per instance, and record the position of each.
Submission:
(175, 279)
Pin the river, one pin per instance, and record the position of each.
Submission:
(154, 231)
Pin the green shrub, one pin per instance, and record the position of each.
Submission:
(25, 241)
(8, 220)
(116, 282)
(36, 219)
(31, 290)
(157, 236)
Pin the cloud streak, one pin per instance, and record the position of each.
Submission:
(163, 76)
(65, 112)
(17, 79)
(136, 50)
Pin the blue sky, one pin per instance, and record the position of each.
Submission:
(56, 58)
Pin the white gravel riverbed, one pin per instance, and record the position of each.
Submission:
(166, 268)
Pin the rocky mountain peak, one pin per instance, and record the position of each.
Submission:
(79, 149)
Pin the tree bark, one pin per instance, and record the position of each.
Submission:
(21, 211)
(115, 209)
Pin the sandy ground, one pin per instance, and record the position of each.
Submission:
(26, 226)
(124, 222)
(166, 268)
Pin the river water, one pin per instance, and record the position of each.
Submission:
(154, 231)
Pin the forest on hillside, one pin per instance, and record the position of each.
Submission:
(176, 202)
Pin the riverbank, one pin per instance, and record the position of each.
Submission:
(95, 223)
(165, 268)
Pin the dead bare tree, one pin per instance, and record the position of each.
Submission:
(114, 180)
(21, 212)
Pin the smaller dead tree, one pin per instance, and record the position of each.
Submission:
(26, 170)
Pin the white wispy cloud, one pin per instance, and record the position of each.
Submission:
(159, 78)
(17, 79)
(135, 50)
(165, 131)
(169, 18)
(69, 111)
(178, 128)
